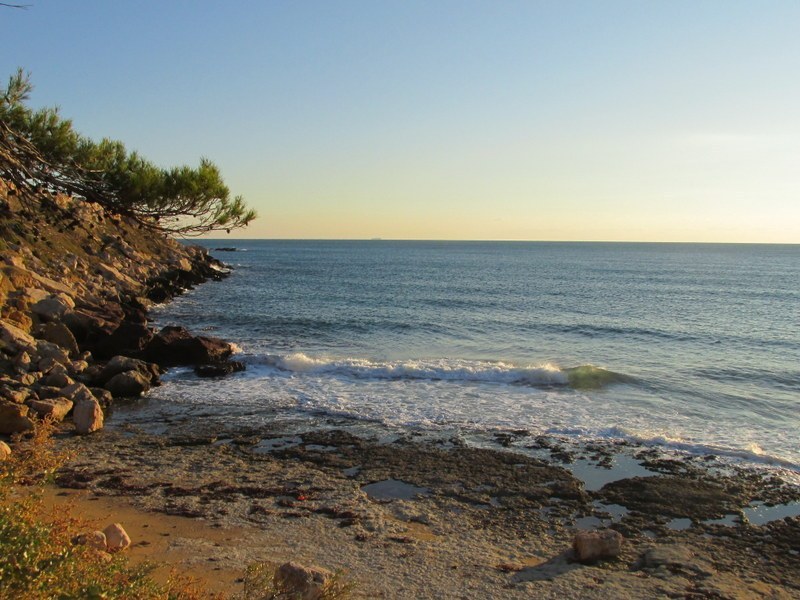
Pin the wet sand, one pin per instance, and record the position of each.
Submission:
(406, 518)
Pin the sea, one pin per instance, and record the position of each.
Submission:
(692, 348)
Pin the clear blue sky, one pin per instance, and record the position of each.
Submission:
(674, 121)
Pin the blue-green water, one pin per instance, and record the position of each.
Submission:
(688, 346)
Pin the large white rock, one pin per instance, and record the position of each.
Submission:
(87, 416)
(5, 451)
(116, 538)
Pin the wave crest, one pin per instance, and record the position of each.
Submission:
(543, 375)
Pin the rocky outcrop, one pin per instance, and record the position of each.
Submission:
(219, 369)
(75, 286)
(174, 346)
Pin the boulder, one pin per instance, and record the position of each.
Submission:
(303, 583)
(5, 451)
(219, 369)
(15, 338)
(174, 346)
(54, 408)
(116, 538)
(121, 364)
(77, 392)
(103, 396)
(14, 418)
(57, 379)
(129, 339)
(50, 309)
(127, 384)
(87, 416)
(45, 349)
(59, 334)
(15, 395)
(591, 546)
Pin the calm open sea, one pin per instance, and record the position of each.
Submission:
(689, 346)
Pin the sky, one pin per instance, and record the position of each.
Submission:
(556, 120)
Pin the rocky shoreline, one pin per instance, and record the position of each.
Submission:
(75, 286)
(409, 518)
(405, 517)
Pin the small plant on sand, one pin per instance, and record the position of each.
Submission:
(262, 582)
(38, 557)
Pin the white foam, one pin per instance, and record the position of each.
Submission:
(432, 369)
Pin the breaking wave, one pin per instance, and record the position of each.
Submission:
(543, 375)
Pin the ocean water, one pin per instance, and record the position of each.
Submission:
(693, 347)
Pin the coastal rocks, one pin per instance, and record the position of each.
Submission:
(219, 369)
(676, 496)
(591, 546)
(304, 583)
(87, 416)
(116, 538)
(130, 339)
(15, 338)
(55, 408)
(59, 334)
(174, 346)
(52, 308)
(14, 418)
(122, 364)
(128, 384)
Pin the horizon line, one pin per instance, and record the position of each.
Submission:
(522, 241)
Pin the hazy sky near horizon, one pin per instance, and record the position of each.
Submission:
(641, 121)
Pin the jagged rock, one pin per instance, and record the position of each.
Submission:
(17, 396)
(219, 369)
(77, 392)
(45, 349)
(129, 383)
(54, 408)
(23, 361)
(50, 309)
(304, 583)
(103, 396)
(20, 320)
(121, 364)
(116, 538)
(591, 546)
(95, 539)
(78, 366)
(59, 334)
(128, 339)
(176, 346)
(15, 338)
(46, 392)
(14, 418)
(5, 451)
(58, 379)
(87, 415)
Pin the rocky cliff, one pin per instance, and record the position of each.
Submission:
(75, 285)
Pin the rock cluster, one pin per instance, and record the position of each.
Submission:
(75, 285)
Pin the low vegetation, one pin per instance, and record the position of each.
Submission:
(38, 557)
